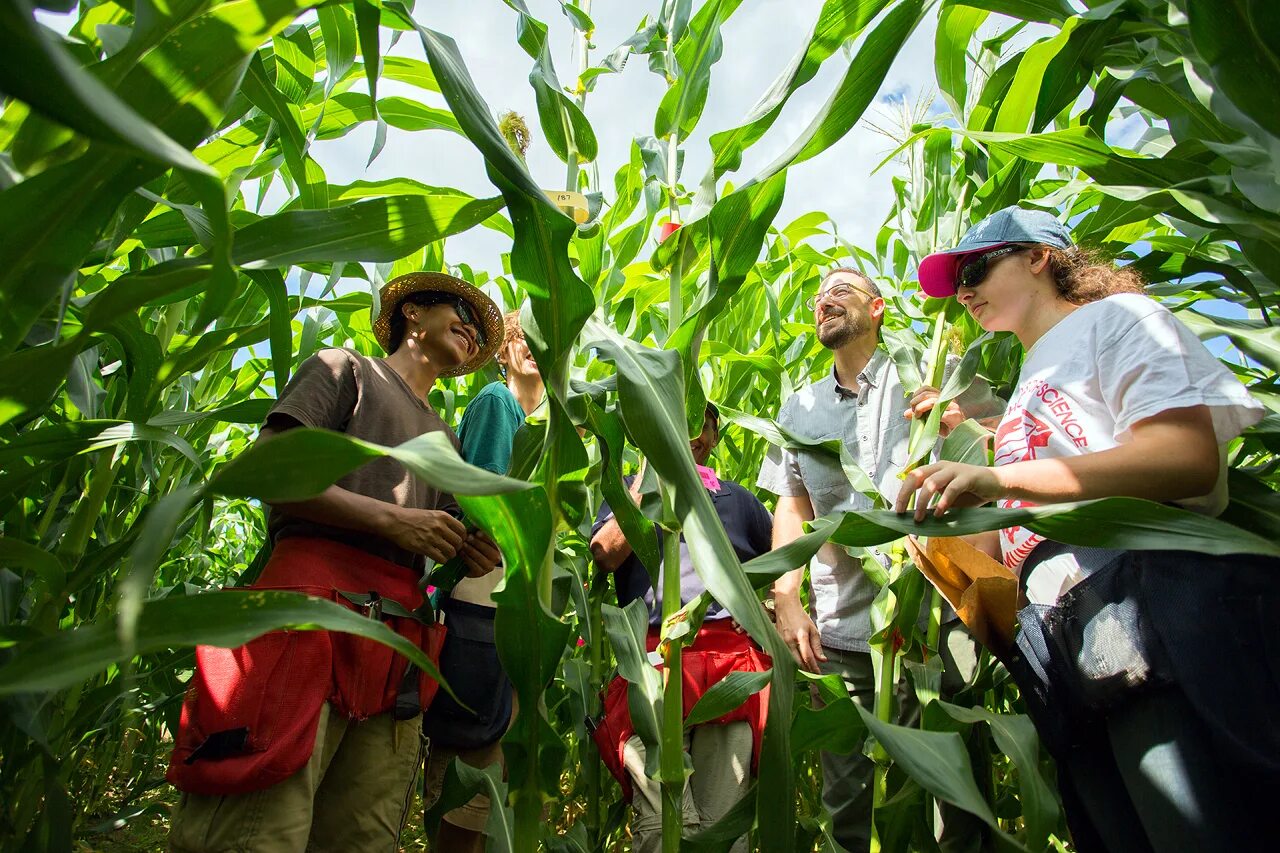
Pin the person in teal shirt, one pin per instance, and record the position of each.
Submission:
(491, 420)
(470, 659)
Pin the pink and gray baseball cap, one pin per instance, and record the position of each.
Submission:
(1012, 225)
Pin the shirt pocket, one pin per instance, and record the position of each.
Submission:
(822, 472)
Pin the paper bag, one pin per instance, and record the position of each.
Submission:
(982, 591)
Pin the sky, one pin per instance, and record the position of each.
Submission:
(759, 40)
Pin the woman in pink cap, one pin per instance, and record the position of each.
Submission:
(1152, 676)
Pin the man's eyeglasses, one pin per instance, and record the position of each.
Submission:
(973, 272)
(838, 293)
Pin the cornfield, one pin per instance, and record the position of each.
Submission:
(170, 251)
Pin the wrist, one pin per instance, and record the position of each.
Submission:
(385, 520)
(785, 599)
(1005, 481)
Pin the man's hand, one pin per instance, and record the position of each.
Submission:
(799, 633)
(480, 553)
(923, 401)
(429, 532)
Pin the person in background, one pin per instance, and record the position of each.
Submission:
(860, 403)
(290, 743)
(724, 751)
(1152, 676)
(469, 660)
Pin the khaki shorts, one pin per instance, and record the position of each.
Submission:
(473, 814)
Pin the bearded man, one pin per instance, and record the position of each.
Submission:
(862, 404)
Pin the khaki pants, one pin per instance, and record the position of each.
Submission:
(721, 757)
(474, 813)
(351, 797)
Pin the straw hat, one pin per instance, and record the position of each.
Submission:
(487, 314)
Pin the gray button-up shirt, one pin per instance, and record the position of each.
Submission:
(870, 423)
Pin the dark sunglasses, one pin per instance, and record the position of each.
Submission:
(973, 272)
(462, 307)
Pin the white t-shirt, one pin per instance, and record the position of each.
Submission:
(1102, 368)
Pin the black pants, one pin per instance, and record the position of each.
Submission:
(1155, 683)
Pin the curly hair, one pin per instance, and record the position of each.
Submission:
(1082, 275)
(511, 328)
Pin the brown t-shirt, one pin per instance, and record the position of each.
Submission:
(341, 390)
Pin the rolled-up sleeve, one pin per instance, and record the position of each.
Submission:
(780, 474)
(780, 471)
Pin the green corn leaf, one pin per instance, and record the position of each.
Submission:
(938, 761)
(29, 377)
(957, 25)
(280, 320)
(226, 619)
(1043, 11)
(74, 202)
(856, 89)
(43, 75)
(295, 64)
(338, 27)
(697, 50)
(1235, 38)
(285, 468)
(565, 126)
(16, 554)
(638, 530)
(726, 695)
(776, 434)
(839, 22)
(969, 443)
(1015, 735)
(376, 229)
(1253, 337)
(61, 440)
(766, 568)
(248, 412)
(651, 401)
(415, 72)
(627, 628)
(368, 13)
(1127, 523)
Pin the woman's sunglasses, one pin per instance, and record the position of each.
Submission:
(973, 272)
(461, 306)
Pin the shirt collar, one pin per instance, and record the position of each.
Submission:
(868, 378)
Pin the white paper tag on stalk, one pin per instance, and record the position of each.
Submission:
(574, 204)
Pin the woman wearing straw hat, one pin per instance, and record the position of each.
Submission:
(1152, 676)
(296, 741)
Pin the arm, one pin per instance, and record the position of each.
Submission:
(793, 622)
(987, 542)
(1171, 456)
(609, 547)
(429, 532)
